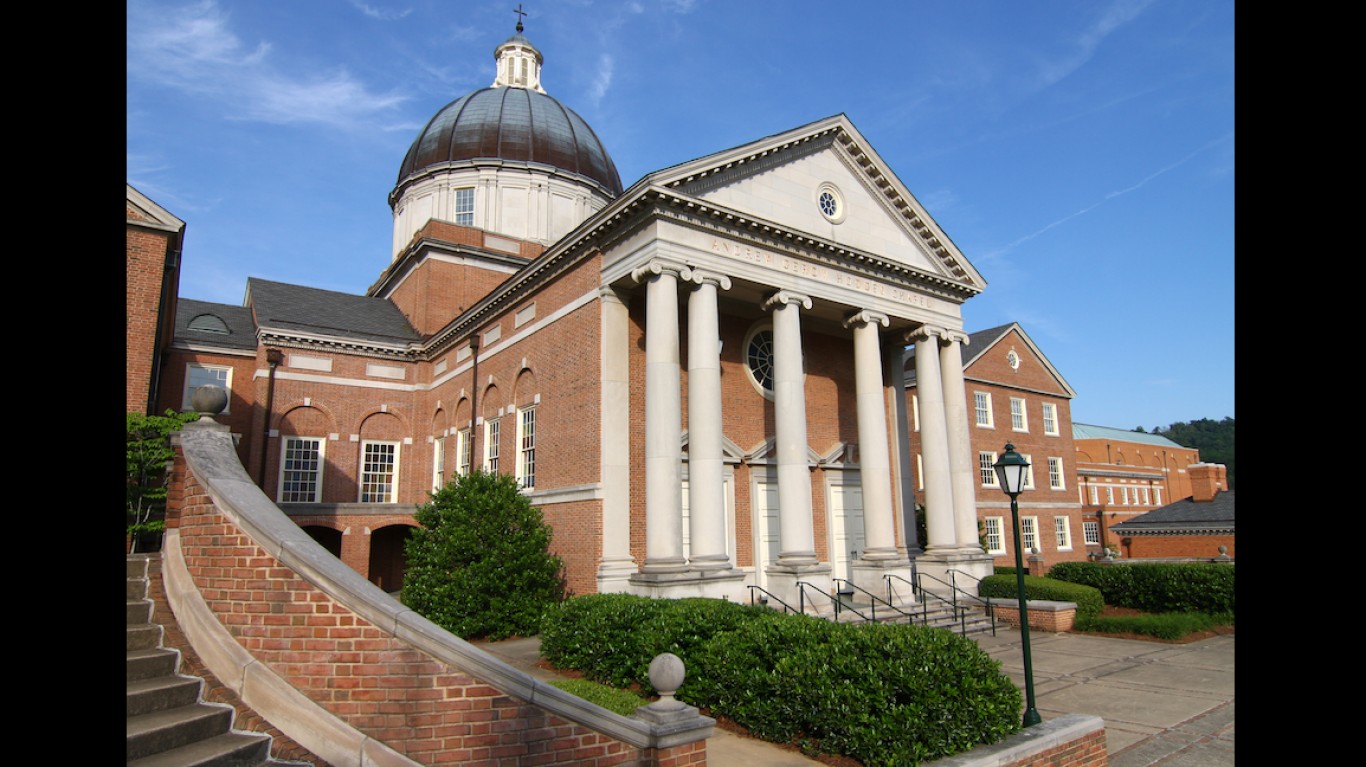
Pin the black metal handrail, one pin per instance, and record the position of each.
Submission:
(960, 612)
(873, 600)
(767, 595)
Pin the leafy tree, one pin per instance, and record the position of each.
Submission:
(479, 565)
(1214, 440)
(149, 448)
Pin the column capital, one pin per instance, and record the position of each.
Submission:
(660, 266)
(867, 317)
(925, 333)
(784, 297)
(954, 336)
(699, 277)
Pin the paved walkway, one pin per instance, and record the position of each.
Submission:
(1164, 705)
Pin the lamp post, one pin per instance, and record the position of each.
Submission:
(1011, 471)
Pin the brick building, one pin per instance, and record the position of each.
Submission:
(155, 239)
(1199, 525)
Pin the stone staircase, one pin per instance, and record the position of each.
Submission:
(935, 613)
(168, 723)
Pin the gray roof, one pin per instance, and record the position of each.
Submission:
(225, 325)
(1087, 431)
(282, 307)
(1184, 516)
(976, 341)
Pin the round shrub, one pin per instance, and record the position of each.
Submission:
(479, 565)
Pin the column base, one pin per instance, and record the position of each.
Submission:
(943, 569)
(870, 575)
(614, 574)
(724, 584)
(782, 583)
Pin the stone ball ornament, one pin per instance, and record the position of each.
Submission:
(209, 399)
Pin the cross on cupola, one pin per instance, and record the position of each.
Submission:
(518, 61)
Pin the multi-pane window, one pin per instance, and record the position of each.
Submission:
(1029, 472)
(1050, 419)
(526, 447)
(1029, 533)
(986, 467)
(1055, 475)
(1110, 495)
(1018, 422)
(204, 375)
(996, 542)
(462, 452)
(1145, 496)
(982, 408)
(1092, 532)
(438, 463)
(1062, 531)
(1157, 496)
(919, 473)
(1095, 494)
(301, 470)
(491, 432)
(915, 411)
(379, 472)
(464, 206)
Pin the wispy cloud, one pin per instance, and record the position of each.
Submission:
(1116, 193)
(381, 14)
(1085, 45)
(192, 49)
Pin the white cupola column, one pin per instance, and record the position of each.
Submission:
(875, 468)
(962, 467)
(663, 419)
(706, 473)
(796, 538)
(934, 440)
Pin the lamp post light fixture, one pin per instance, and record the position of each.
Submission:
(1011, 471)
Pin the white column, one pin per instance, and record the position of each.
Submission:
(797, 542)
(934, 440)
(663, 419)
(904, 498)
(962, 463)
(617, 563)
(706, 477)
(875, 469)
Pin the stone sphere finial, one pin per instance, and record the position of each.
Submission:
(666, 676)
(209, 399)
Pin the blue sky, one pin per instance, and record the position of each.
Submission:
(1079, 153)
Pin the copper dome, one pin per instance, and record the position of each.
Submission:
(510, 125)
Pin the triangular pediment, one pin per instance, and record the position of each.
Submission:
(1007, 355)
(781, 179)
(142, 211)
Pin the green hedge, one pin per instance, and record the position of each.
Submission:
(882, 694)
(1089, 600)
(1156, 587)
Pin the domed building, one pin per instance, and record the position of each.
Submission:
(697, 379)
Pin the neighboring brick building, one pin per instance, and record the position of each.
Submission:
(155, 238)
(1014, 395)
(1199, 525)
(696, 379)
(1123, 474)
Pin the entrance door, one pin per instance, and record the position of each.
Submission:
(846, 525)
(768, 544)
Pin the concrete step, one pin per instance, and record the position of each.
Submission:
(137, 588)
(139, 612)
(162, 693)
(152, 662)
(231, 749)
(144, 637)
(158, 731)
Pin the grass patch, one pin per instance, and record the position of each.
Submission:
(1170, 626)
(622, 702)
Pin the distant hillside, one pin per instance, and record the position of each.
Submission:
(1214, 440)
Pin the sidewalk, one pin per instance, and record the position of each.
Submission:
(1164, 705)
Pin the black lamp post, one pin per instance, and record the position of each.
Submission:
(1011, 471)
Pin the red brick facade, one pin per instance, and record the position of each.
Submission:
(153, 278)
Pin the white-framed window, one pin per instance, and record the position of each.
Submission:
(1124, 495)
(986, 467)
(1092, 532)
(491, 432)
(981, 407)
(1110, 495)
(1029, 533)
(919, 472)
(1145, 496)
(526, 447)
(301, 469)
(1062, 532)
(1055, 475)
(1018, 421)
(379, 472)
(197, 375)
(915, 411)
(1050, 419)
(464, 206)
(1029, 473)
(462, 452)
(996, 541)
(438, 463)
(1157, 496)
(1095, 495)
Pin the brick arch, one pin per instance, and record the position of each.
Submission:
(384, 425)
(462, 413)
(387, 558)
(525, 389)
(490, 401)
(298, 418)
(440, 420)
(329, 536)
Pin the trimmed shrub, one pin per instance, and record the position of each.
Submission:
(1157, 587)
(1160, 625)
(623, 702)
(480, 564)
(1089, 600)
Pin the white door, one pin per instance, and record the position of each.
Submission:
(767, 543)
(846, 525)
(727, 522)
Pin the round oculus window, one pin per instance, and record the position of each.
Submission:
(759, 359)
(1013, 360)
(830, 202)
